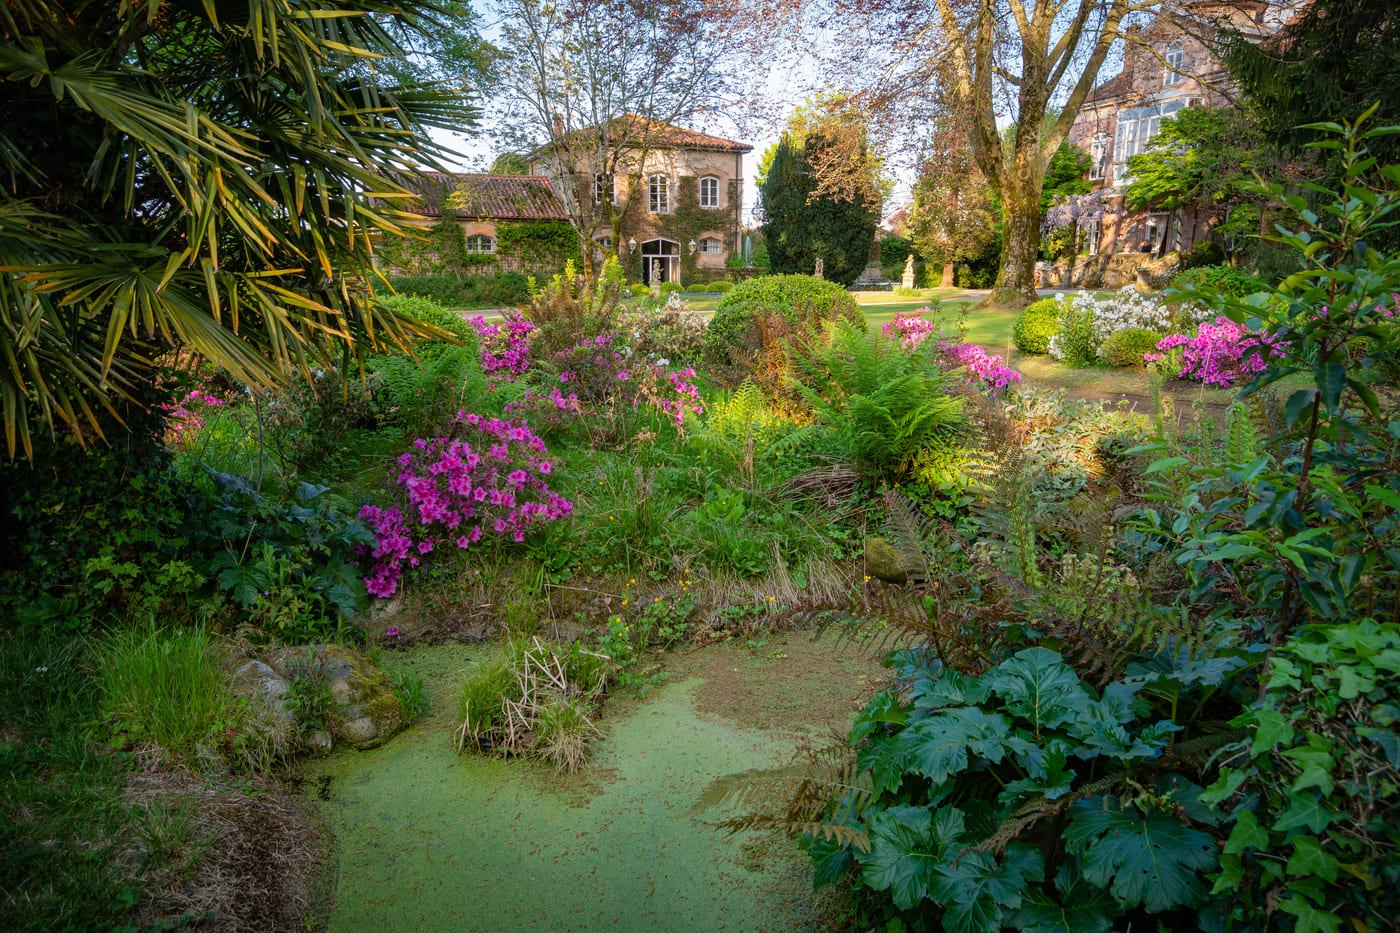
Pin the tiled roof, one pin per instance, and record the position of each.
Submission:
(499, 197)
(1114, 86)
(662, 135)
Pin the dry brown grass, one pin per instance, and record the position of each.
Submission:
(258, 860)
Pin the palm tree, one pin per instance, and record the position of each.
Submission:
(199, 174)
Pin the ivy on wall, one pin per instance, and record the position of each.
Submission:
(686, 222)
(541, 245)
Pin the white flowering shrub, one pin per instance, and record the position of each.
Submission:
(1086, 321)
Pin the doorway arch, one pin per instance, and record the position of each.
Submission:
(662, 257)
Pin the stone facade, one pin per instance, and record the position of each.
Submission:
(1166, 68)
(681, 204)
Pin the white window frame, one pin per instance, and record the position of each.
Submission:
(711, 182)
(485, 244)
(1174, 58)
(1098, 157)
(603, 181)
(717, 249)
(659, 194)
(1135, 129)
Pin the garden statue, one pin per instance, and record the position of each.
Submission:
(656, 278)
(818, 270)
(909, 272)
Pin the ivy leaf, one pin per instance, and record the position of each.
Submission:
(1310, 860)
(1147, 859)
(1040, 687)
(975, 888)
(1247, 834)
(906, 846)
(938, 747)
(1304, 811)
(1075, 906)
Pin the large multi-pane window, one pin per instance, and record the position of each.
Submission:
(659, 194)
(709, 191)
(1136, 127)
(481, 244)
(710, 246)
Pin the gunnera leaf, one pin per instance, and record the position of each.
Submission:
(1074, 906)
(975, 889)
(1037, 685)
(906, 846)
(1150, 859)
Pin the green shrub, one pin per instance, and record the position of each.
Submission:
(899, 291)
(722, 287)
(803, 300)
(430, 312)
(421, 393)
(888, 407)
(698, 288)
(165, 693)
(1127, 347)
(668, 287)
(1227, 281)
(1074, 344)
(1036, 325)
(638, 290)
(508, 289)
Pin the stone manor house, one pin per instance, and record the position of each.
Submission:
(1168, 65)
(682, 223)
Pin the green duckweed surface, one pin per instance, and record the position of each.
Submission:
(432, 840)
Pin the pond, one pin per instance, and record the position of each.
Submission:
(430, 839)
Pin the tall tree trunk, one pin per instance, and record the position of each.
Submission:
(1020, 205)
(947, 280)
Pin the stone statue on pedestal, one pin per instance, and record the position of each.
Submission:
(909, 272)
(656, 278)
(818, 270)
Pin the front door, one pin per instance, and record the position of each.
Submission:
(661, 258)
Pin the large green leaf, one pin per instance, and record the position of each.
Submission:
(975, 888)
(1037, 685)
(938, 747)
(1074, 906)
(1150, 859)
(907, 844)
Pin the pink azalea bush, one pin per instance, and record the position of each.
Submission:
(505, 347)
(1218, 353)
(596, 377)
(183, 419)
(459, 491)
(912, 329)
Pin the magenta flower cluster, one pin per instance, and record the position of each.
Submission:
(988, 370)
(913, 329)
(910, 327)
(505, 347)
(184, 418)
(1219, 353)
(459, 490)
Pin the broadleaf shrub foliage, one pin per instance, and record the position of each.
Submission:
(1035, 326)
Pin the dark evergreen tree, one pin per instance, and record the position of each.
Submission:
(1333, 62)
(801, 227)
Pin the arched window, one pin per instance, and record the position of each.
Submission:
(659, 194)
(709, 191)
(710, 246)
(481, 243)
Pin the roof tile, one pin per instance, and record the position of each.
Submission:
(498, 197)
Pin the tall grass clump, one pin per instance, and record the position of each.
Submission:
(165, 693)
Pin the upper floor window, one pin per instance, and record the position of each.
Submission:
(1136, 127)
(605, 242)
(709, 191)
(1175, 57)
(603, 189)
(710, 246)
(659, 194)
(1098, 156)
(481, 244)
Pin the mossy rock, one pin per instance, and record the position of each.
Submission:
(365, 711)
(883, 562)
